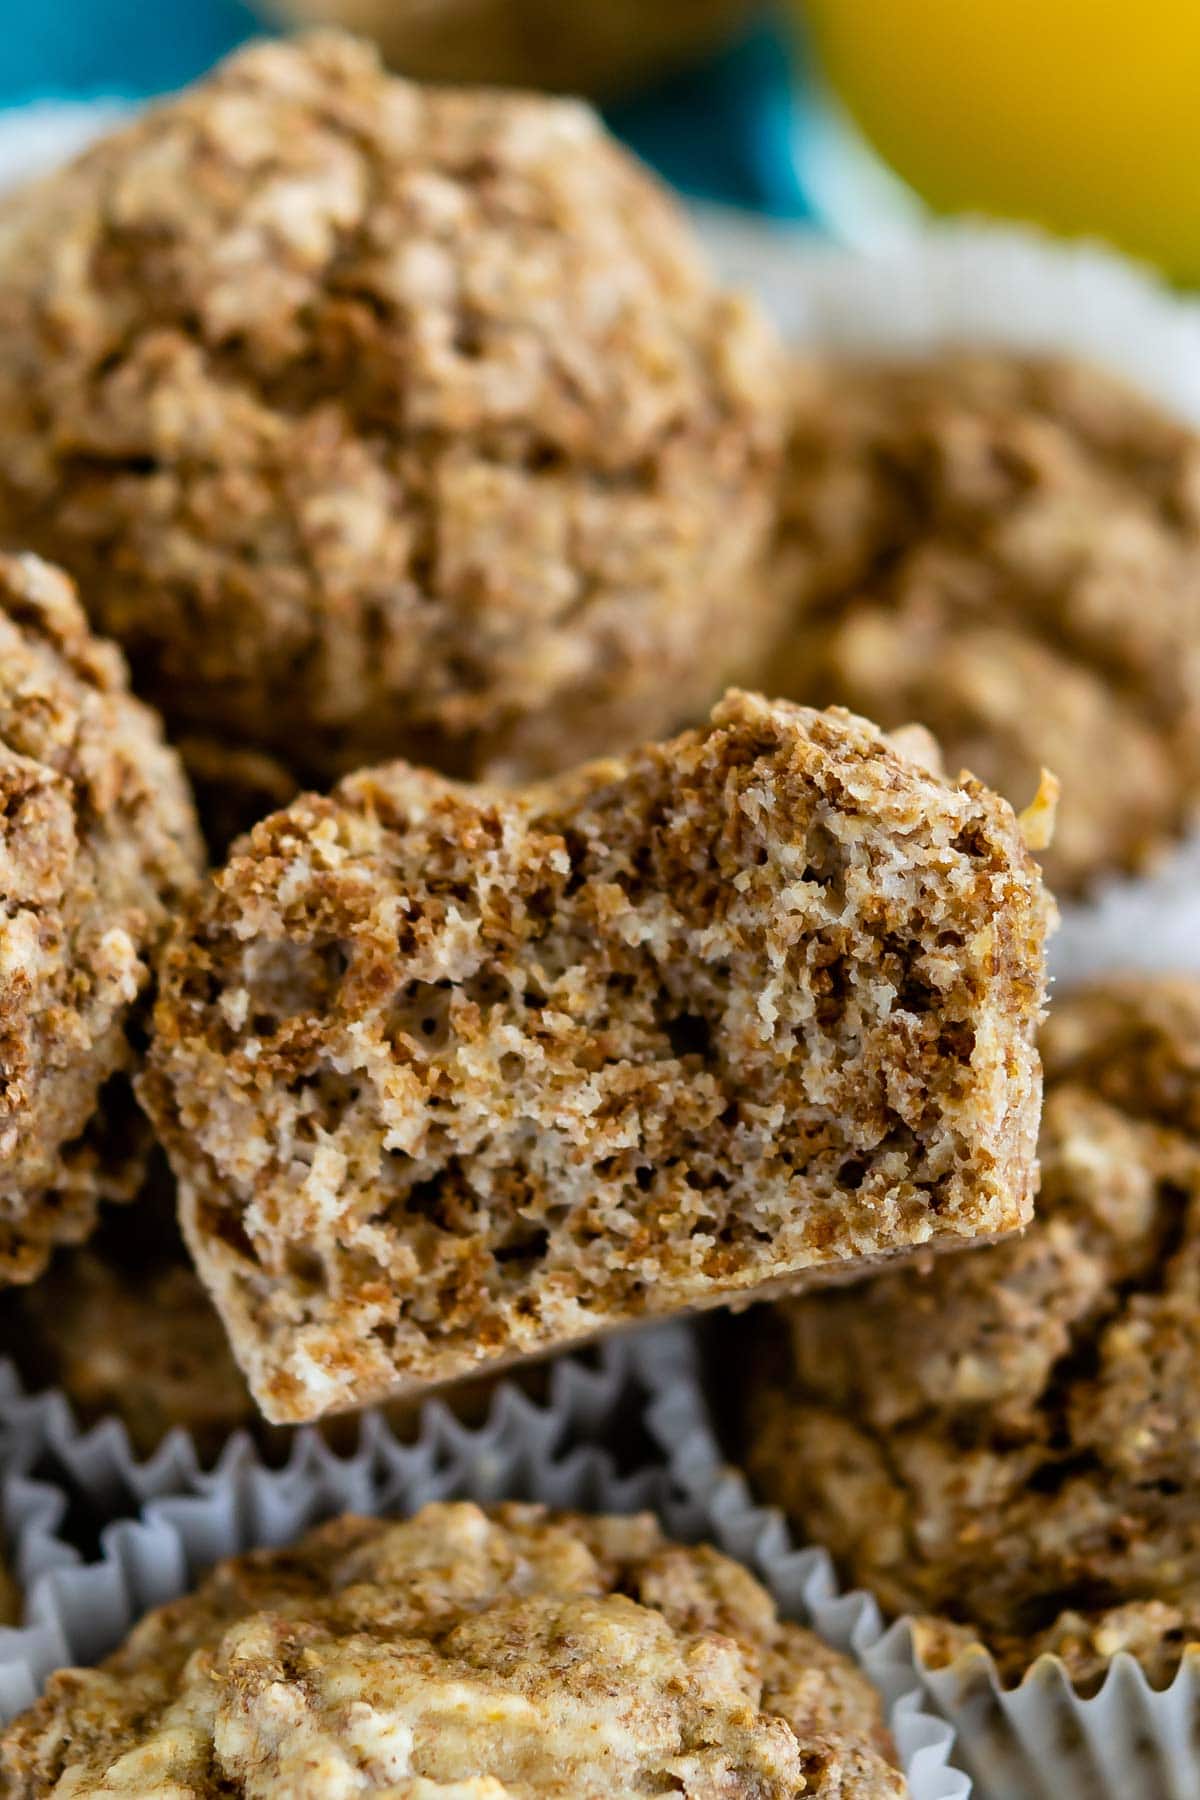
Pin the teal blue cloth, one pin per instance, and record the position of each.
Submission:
(723, 130)
(79, 49)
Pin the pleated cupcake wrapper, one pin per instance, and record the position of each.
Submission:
(957, 284)
(1037, 1741)
(77, 1612)
(1042, 1741)
(587, 1399)
(32, 1513)
(31, 1510)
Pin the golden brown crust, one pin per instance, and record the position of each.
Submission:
(512, 1657)
(449, 1075)
(378, 420)
(97, 844)
(1009, 550)
(1011, 1441)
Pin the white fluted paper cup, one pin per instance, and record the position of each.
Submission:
(524, 1451)
(1038, 1740)
(32, 1520)
(32, 1511)
(587, 1397)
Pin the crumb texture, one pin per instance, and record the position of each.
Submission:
(97, 845)
(450, 1076)
(1009, 1443)
(521, 1656)
(383, 420)
(1007, 549)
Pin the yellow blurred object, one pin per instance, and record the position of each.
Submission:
(1082, 115)
(597, 47)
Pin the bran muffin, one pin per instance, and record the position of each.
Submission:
(1008, 549)
(521, 1655)
(450, 1076)
(98, 844)
(378, 420)
(1009, 1445)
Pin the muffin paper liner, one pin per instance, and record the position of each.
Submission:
(76, 1612)
(1006, 286)
(1037, 1741)
(99, 1466)
(32, 1512)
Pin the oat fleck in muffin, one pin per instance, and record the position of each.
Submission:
(1008, 550)
(381, 420)
(97, 845)
(450, 1076)
(1011, 1442)
(521, 1656)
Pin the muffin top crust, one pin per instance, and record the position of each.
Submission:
(1008, 549)
(518, 1656)
(377, 419)
(98, 844)
(450, 1076)
(1008, 1443)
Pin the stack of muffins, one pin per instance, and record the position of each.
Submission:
(414, 962)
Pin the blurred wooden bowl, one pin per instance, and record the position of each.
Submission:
(596, 47)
